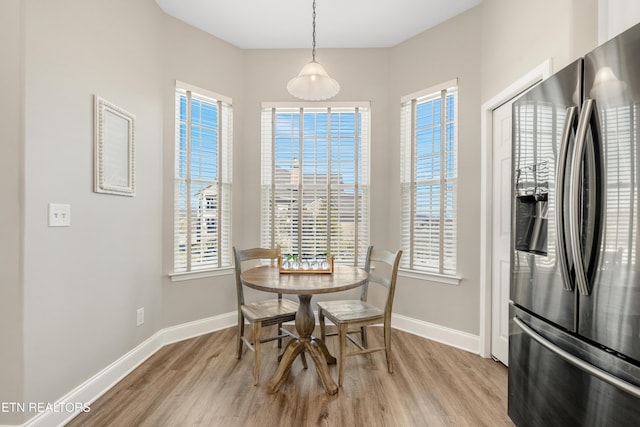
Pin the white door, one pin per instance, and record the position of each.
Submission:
(501, 232)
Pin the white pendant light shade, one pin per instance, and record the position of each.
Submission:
(313, 83)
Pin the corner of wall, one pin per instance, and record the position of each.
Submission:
(11, 222)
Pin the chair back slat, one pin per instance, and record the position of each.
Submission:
(259, 253)
(384, 256)
(384, 281)
(382, 267)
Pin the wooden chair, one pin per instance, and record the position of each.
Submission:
(263, 313)
(348, 315)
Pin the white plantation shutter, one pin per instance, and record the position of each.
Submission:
(315, 180)
(428, 177)
(202, 205)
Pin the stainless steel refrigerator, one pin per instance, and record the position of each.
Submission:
(574, 343)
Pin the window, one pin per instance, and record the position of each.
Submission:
(202, 206)
(429, 179)
(315, 180)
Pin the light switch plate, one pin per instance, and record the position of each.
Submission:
(59, 215)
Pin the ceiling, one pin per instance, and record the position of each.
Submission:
(273, 24)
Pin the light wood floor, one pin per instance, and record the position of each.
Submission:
(199, 382)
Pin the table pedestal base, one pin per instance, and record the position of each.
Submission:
(305, 323)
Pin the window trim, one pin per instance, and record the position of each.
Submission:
(447, 279)
(429, 91)
(201, 274)
(334, 104)
(201, 91)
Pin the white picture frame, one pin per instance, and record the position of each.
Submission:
(114, 149)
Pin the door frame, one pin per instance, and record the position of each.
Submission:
(534, 76)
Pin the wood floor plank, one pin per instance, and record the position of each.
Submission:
(199, 382)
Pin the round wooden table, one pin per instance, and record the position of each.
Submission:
(269, 279)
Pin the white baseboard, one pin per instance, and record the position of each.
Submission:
(100, 383)
(451, 337)
(199, 327)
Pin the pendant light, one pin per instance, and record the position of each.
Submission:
(313, 83)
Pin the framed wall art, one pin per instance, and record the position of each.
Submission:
(114, 149)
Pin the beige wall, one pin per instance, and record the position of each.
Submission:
(451, 50)
(615, 16)
(83, 284)
(11, 170)
(72, 312)
(518, 35)
(192, 56)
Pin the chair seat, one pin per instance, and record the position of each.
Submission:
(273, 310)
(350, 310)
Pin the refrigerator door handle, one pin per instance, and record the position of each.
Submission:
(561, 238)
(574, 197)
(579, 363)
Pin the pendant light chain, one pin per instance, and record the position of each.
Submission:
(313, 83)
(313, 52)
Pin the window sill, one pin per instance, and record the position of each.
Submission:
(201, 274)
(432, 277)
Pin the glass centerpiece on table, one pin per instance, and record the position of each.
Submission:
(289, 263)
